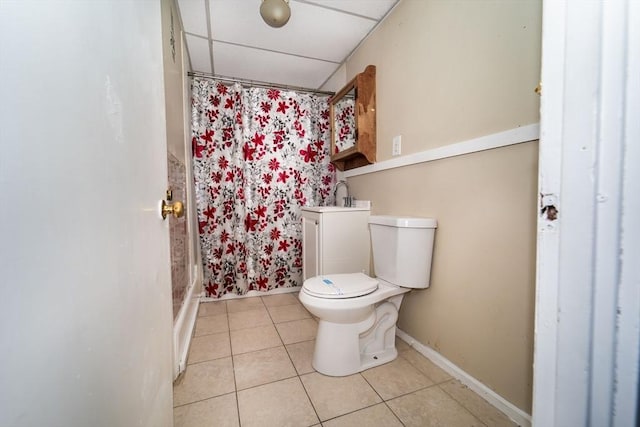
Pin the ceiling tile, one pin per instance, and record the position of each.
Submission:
(199, 53)
(194, 17)
(306, 52)
(312, 31)
(375, 9)
(255, 64)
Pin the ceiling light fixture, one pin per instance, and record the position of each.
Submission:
(275, 13)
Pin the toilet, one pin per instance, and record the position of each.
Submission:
(356, 313)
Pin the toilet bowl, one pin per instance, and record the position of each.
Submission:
(357, 314)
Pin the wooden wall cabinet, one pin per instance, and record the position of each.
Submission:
(353, 122)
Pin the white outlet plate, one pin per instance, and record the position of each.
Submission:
(397, 145)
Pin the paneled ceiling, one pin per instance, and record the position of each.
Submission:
(229, 38)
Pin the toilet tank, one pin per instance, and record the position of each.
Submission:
(402, 249)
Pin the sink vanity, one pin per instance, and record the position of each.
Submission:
(335, 240)
(353, 122)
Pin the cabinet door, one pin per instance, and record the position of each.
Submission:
(345, 242)
(310, 247)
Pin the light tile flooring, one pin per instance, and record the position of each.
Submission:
(250, 365)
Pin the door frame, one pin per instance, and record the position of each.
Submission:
(588, 274)
(184, 322)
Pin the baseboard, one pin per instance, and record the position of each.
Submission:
(183, 326)
(249, 294)
(516, 414)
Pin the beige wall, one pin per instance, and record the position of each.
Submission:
(478, 311)
(448, 71)
(337, 80)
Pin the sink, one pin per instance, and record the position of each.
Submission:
(333, 209)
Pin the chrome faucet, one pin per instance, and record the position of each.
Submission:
(348, 201)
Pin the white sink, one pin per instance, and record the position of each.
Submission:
(333, 209)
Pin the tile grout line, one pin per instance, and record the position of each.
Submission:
(283, 346)
(296, 320)
(252, 326)
(315, 411)
(208, 335)
(306, 392)
(267, 348)
(212, 302)
(195, 328)
(203, 400)
(270, 382)
(383, 401)
(290, 320)
(393, 412)
(296, 375)
(411, 392)
(362, 409)
(211, 360)
(461, 404)
(438, 385)
(400, 395)
(233, 369)
(424, 373)
(228, 332)
(192, 364)
(308, 373)
(261, 349)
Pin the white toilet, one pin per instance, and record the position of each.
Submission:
(357, 314)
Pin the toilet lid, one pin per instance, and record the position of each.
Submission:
(340, 285)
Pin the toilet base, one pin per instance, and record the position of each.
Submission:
(372, 360)
(343, 349)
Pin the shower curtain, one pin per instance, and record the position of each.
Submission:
(259, 156)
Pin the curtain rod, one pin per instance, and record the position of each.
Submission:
(258, 83)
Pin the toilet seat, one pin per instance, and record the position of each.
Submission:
(338, 286)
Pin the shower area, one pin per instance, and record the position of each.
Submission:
(259, 154)
(256, 156)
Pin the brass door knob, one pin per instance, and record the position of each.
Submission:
(175, 208)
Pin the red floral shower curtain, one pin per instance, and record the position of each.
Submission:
(259, 156)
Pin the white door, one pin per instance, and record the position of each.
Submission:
(85, 304)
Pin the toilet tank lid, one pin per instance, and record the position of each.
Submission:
(403, 222)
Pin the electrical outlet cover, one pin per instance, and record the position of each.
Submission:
(397, 145)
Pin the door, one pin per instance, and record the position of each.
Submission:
(586, 357)
(86, 317)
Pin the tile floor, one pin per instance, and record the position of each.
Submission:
(250, 365)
